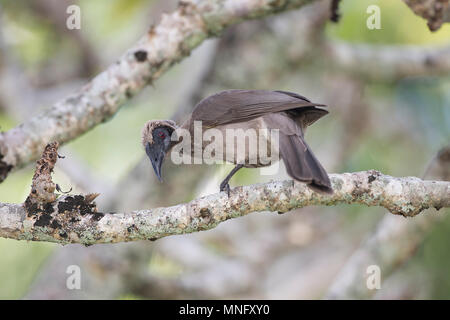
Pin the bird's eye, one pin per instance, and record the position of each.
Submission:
(162, 135)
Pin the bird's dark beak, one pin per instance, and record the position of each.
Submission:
(156, 156)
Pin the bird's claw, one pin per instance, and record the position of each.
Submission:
(225, 187)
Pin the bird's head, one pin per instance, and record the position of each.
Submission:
(156, 138)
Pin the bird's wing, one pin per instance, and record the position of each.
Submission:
(233, 106)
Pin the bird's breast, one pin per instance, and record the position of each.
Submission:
(250, 143)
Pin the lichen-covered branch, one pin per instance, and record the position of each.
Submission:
(73, 219)
(171, 40)
(391, 244)
(76, 219)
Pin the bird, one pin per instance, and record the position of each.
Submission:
(288, 112)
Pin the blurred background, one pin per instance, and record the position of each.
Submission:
(394, 118)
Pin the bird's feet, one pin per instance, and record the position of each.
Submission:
(225, 186)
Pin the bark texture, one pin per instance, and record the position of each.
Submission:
(76, 219)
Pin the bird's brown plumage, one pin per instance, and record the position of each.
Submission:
(289, 112)
(255, 109)
(232, 106)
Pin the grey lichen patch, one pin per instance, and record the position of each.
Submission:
(337, 183)
(361, 189)
(406, 209)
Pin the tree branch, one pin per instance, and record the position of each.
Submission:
(170, 41)
(388, 62)
(390, 245)
(75, 218)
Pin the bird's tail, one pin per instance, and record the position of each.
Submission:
(302, 165)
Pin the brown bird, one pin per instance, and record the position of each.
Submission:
(288, 112)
